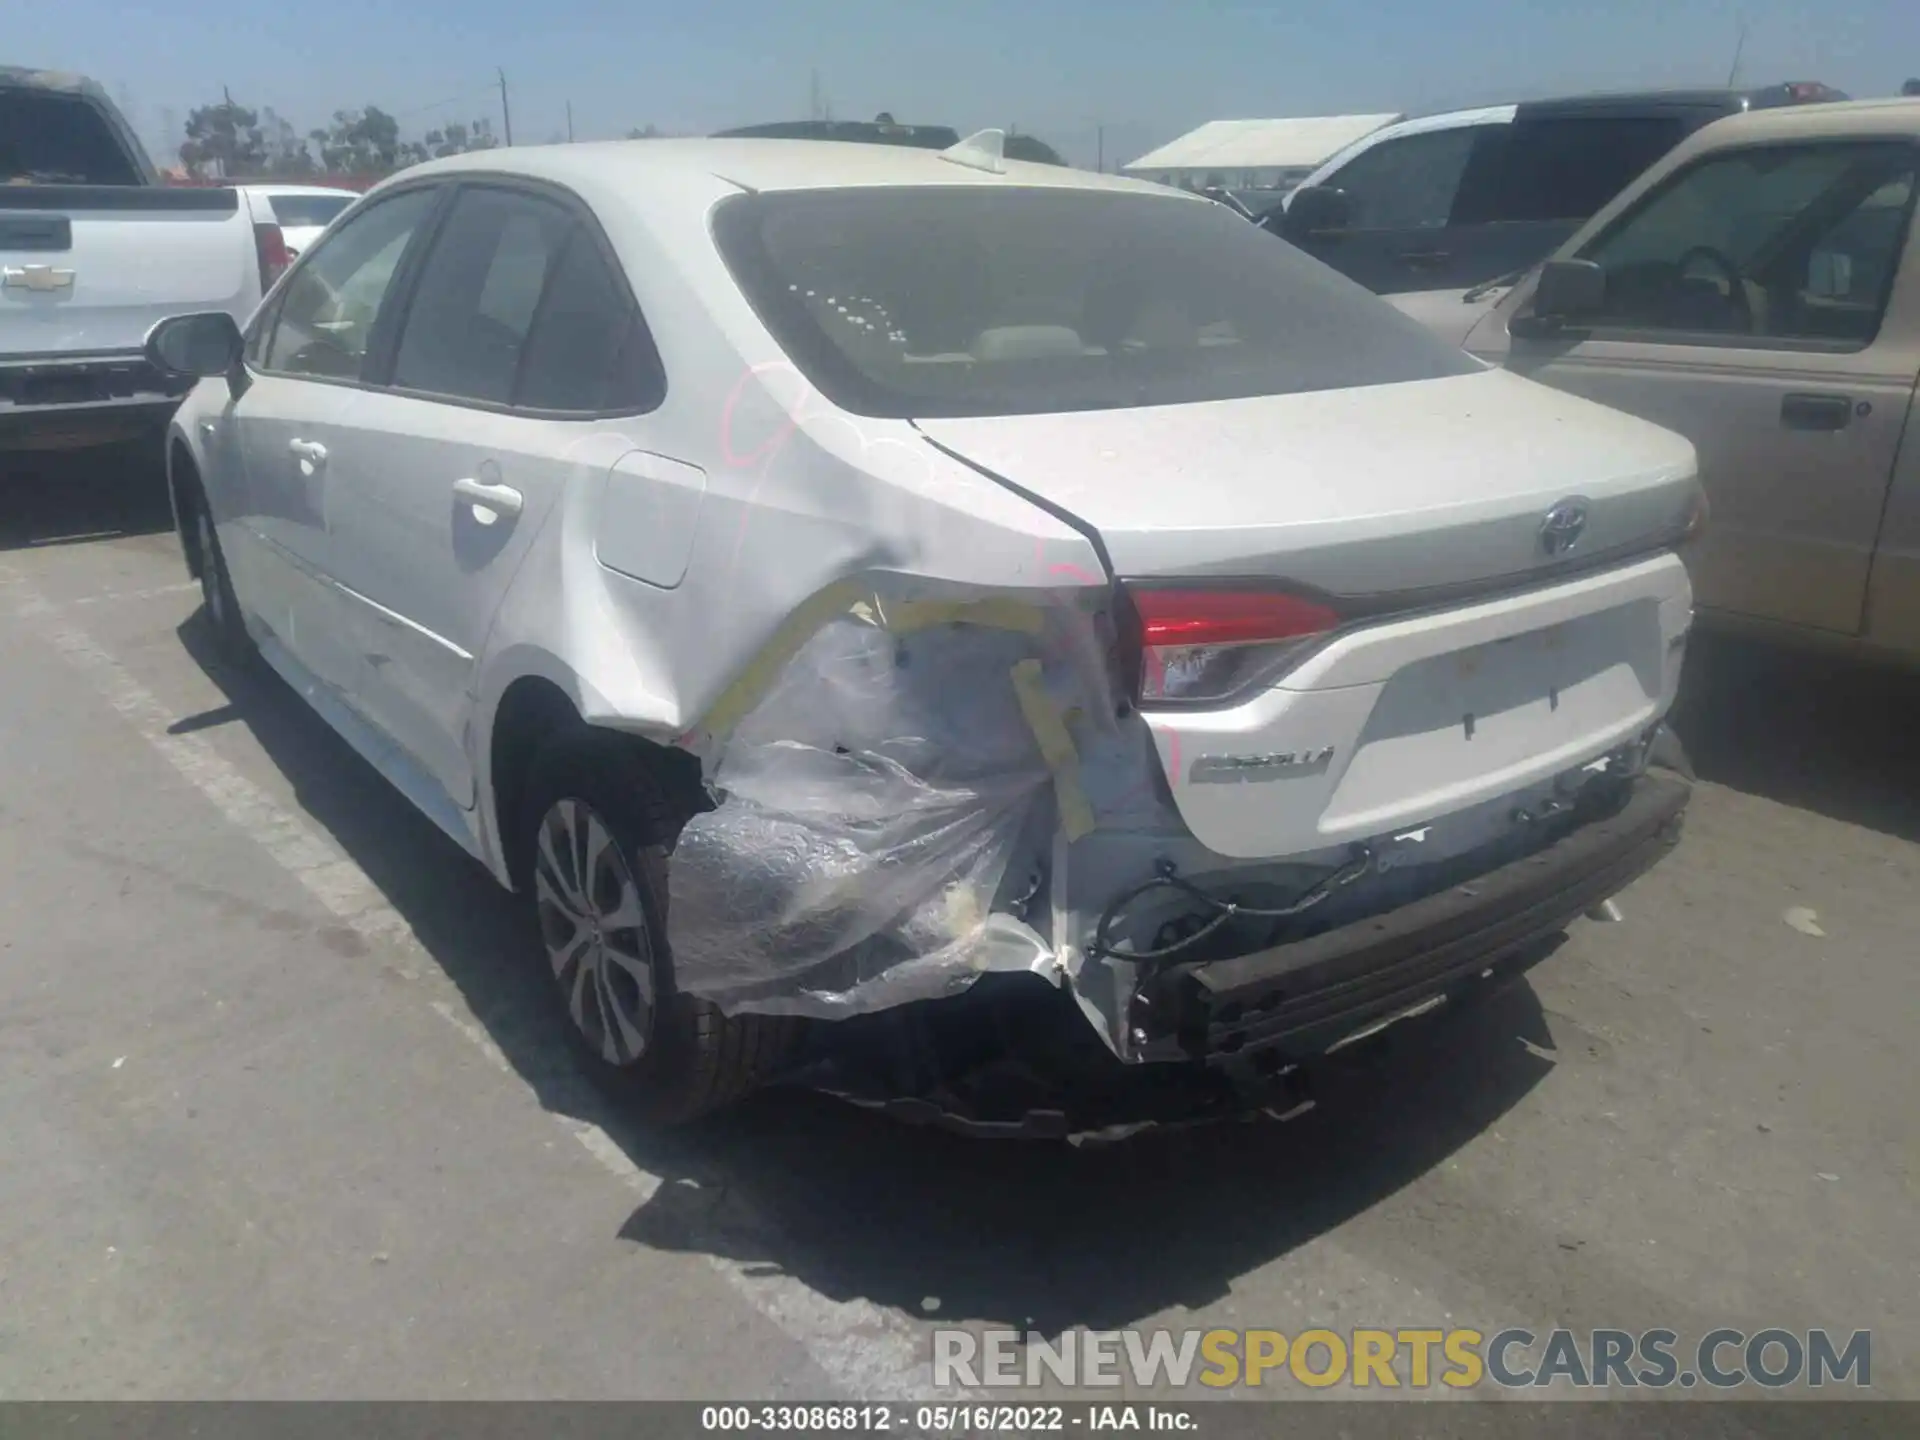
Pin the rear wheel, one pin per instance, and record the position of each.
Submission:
(596, 859)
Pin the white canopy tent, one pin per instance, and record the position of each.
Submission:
(1253, 154)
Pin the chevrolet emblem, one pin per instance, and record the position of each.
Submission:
(41, 278)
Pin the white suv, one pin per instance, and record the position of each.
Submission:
(820, 576)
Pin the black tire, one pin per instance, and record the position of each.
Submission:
(1667, 753)
(696, 1059)
(221, 606)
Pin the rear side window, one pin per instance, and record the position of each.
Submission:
(479, 286)
(48, 138)
(518, 305)
(588, 350)
(1000, 300)
(1561, 167)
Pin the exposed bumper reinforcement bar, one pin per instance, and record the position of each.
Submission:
(1253, 1014)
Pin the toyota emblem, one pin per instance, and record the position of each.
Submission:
(1563, 526)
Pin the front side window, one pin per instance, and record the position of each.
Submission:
(473, 308)
(977, 300)
(1796, 243)
(1408, 183)
(326, 315)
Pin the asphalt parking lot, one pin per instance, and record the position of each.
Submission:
(285, 1113)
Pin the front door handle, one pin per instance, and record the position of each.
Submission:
(1815, 412)
(312, 451)
(1425, 259)
(490, 502)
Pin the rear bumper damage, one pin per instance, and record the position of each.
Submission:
(1244, 1037)
(933, 816)
(1252, 1015)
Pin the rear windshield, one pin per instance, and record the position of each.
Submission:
(298, 210)
(52, 139)
(984, 300)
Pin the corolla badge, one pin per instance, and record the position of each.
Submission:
(1563, 526)
(1242, 769)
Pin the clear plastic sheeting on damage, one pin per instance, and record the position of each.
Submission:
(887, 807)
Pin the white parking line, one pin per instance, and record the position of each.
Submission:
(152, 592)
(868, 1351)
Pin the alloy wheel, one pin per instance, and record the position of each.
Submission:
(594, 924)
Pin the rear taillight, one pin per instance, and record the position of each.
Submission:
(1198, 646)
(271, 246)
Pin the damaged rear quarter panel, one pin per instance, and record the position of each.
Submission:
(799, 498)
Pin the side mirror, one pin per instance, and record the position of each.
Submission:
(196, 346)
(1569, 290)
(1316, 210)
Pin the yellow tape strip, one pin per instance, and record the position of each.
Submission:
(1056, 748)
(996, 613)
(740, 697)
(901, 618)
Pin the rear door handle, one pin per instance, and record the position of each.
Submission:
(1425, 259)
(1815, 412)
(500, 501)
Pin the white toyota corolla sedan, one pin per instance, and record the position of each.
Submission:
(831, 579)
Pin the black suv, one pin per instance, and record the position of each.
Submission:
(1451, 201)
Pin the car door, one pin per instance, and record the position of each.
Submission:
(1746, 304)
(519, 349)
(305, 374)
(1400, 193)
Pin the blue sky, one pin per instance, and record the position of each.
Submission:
(1145, 69)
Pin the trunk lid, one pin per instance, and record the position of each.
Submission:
(1361, 492)
(1409, 712)
(89, 269)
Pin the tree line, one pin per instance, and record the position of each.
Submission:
(228, 140)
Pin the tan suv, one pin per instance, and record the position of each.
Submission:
(1758, 290)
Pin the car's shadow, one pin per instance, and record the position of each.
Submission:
(858, 1206)
(1818, 732)
(1040, 1234)
(68, 497)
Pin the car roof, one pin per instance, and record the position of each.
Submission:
(764, 165)
(1836, 119)
(1695, 98)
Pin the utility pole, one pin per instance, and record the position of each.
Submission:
(813, 98)
(1739, 48)
(506, 115)
(1100, 146)
(569, 122)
